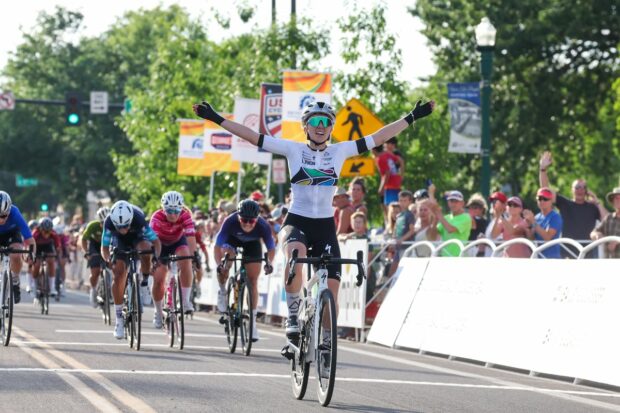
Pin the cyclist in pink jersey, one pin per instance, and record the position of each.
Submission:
(174, 227)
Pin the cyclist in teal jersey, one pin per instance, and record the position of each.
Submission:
(314, 170)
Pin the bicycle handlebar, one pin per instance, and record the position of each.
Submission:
(9, 250)
(326, 259)
(244, 260)
(174, 258)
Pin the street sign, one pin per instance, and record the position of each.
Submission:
(22, 182)
(358, 166)
(7, 101)
(354, 121)
(278, 171)
(98, 103)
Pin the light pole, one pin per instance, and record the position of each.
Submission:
(485, 38)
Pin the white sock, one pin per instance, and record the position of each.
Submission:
(159, 306)
(185, 293)
(223, 288)
(294, 301)
(118, 309)
(254, 313)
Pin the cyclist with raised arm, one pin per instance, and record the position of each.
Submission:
(243, 228)
(14, 233)
(91, 245)
(48, 244)
(314, 170)
(175, 229)
(124, 229)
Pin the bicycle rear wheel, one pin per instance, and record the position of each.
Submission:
(246, 322)
(6, 318)
(231, 310)
(326, 350)
(300, 369)
(180, 315)
(137, 310)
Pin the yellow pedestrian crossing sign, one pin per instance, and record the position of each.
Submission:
(358, 166)
(354, 121)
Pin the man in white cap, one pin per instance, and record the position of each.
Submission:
(456, 225)
(610, 225)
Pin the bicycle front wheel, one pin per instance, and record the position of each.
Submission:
(300, 368)
(171, 303)
(326, 350)
(136, 313)
(6, 318)
(180, 315)
(246, 324)
(45, 293)
(231, 315)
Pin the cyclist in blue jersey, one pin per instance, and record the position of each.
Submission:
(244, 228)
(14, 233)
(314, 170)
(125, 228)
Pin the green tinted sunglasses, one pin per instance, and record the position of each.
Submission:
(315, 121)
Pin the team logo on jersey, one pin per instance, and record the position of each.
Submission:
(311, 176)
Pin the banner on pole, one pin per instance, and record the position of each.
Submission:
(298, 89)
(190, 159)
(465, 117)
(218, 148)
(271, 109)
(247, 112)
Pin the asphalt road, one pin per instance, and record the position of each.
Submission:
(69, 361)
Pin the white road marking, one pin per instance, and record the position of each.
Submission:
(286, 376)
(147, 333)
(120, 394)
(124, 344)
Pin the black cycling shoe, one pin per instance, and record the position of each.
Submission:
(286, 353)
(292, 328)
(17, 294)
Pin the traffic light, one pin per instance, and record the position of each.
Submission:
(73, 106)
(44, 207)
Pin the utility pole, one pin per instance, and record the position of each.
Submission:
(273, 12)
(294, 30)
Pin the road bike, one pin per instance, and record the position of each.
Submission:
(104, 289)
(6, 293)
(132, 304)
(238, 319)
(174, 311)
(318, 326)
(43, 293)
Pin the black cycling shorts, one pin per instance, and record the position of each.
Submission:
(94, 255)
(167, 250)
(251, 249)
(316, 233)
(13, 237)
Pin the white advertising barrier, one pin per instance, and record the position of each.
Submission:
(547, 316)
(351, 298)
(394, 309)
(276, 301)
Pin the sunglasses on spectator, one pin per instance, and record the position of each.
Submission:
(173, 211)
(542, 198)
(247, 220)
(579, 186)
(315, 121)
(512, 204)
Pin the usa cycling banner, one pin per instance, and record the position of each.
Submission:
(217, 148)
(465, 117)
(190, 159)
(271, 109)
(298, 89)
(247, 112)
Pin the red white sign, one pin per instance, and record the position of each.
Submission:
(7, 101)
(278, 171)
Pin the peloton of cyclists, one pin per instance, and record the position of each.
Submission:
(175, 229)
(125, 228)
(14, 233)
(244, 228)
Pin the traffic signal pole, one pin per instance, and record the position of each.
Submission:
(84, 103)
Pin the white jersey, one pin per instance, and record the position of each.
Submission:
(314, 174)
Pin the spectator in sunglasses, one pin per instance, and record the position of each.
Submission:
(610, 225)
(579, 213)
(547, 224)
(513, 226)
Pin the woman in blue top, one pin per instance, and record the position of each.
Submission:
(14, 233)
(314, 170)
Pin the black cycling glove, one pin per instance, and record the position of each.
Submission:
(206, 111)
(420, 111)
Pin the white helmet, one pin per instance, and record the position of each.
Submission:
(102, 213)
(172, 199)
(318, 108)
(5, 203)
(121, 214)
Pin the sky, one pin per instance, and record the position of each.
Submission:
(99, 15)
